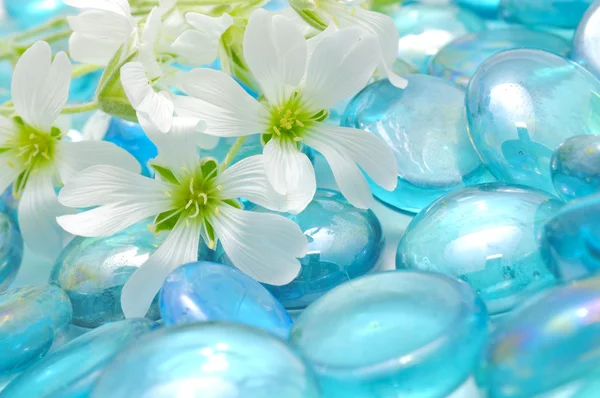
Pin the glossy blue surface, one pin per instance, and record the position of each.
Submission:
(425, 126)
(459, 60)
(203, 292)
(484, 8)
(571, 239)
(521, 105)
(11, 249)
(550, 342)
(560, 14)
(393, 334)
(487, 235)
(30, 318)
(586, 43)
(217, 360)
(72, 370)
(32, 12)
(132, 138)
(343, 243)
(5, 80)
(424, 29)
(576, 167)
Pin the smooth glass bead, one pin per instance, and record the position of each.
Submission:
(11, 249)
(72, 370)
(486, 235)
(521, 105)
(551, 341)
(483, 8)
(29, 13)
(458, 61)
(586, 43)
(132, 138)
(30, 318)
(424, 29)
(393, 334)
(425, 126)
(204, 292)
(560, 14)
(576, 167)
(571, 239)
(343, 243)
(217, 360)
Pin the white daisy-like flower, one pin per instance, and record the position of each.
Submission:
(192, 198)
(298, 93)
(100, 30)
(33, 154)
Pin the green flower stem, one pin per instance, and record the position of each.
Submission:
(56, 36)
(232, 152)
(84, 69)
(37, 30)
(79, 108)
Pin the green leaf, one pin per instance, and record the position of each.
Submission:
(111, 95)
(318, 19)
(208, 167)
(210, 232)
(166, 221)
(234, 203)
(165, 173)
(301, 5)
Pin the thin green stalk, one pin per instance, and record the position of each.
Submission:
(232, 152)
(83, 69)
(36, 30)
(80, 108)
(57, 36)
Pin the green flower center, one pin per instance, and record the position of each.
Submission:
(292, 119)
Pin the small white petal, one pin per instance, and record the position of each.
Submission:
(152, 27)
(275, 51)
(179, 248)
(101, 25)
(207, 142)
(9, 170)
(263, 246)
(201, 46)
(92, 51)
(213, 26)
(120, 7)
(96, 127)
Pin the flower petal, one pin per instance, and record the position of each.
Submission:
(179, 248)
(40, 87)
(96, 24)
(120, 7)
(92, 51)
(8, 171)
(263, 246)
(216, 98)
(275, 51)
(96, 127)
(201, 46)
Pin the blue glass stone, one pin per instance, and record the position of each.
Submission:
(425, 126)
(571, 239)
(208, 360)
(561, 14)
(5, 80)
(486, 235)
(483, 8)
(343, 243)
(576, 167)
(521, 105)
(30, 318)
(459, 60)
(132, 138)
(11, 249)
(32, 12)
(551, 341)
(72, 370)
(424, 29)
(203, 292)
(586, 43)
(393, 334)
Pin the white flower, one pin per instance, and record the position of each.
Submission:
(33, 154)
(298, 93)
(100, 30)
(192, 198)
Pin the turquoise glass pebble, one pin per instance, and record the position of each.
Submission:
(560, 14)
(424, 29)
(343, 243)
(483, 8)
(571, 239)
(393, 334)
(29, 13)
(217, 360)
(30, 319)
(204, 291)
(486, 235)
(72, 370)
(11, 249)
(5, 79)
(132, 138)
(548, 343)
(586, 43)
(576, 167)
(521, 105)
(425, 126)
(458, 60)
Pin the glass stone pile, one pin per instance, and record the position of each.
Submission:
(494, 290)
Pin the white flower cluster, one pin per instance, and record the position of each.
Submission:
(142, 48)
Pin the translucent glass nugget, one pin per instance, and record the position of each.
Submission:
(586, 43)
(571, 239)
(203, 291)
(425, 126)
(393, 334)
(458, 60)
(576, 167)
(72, 370)
(485, 8)
(32, 12)
(561, 14)
(30, 318)
(521, 105)
(486, 235)
(550, 342)
(424, 29)
(216, 360)
(11, 250)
